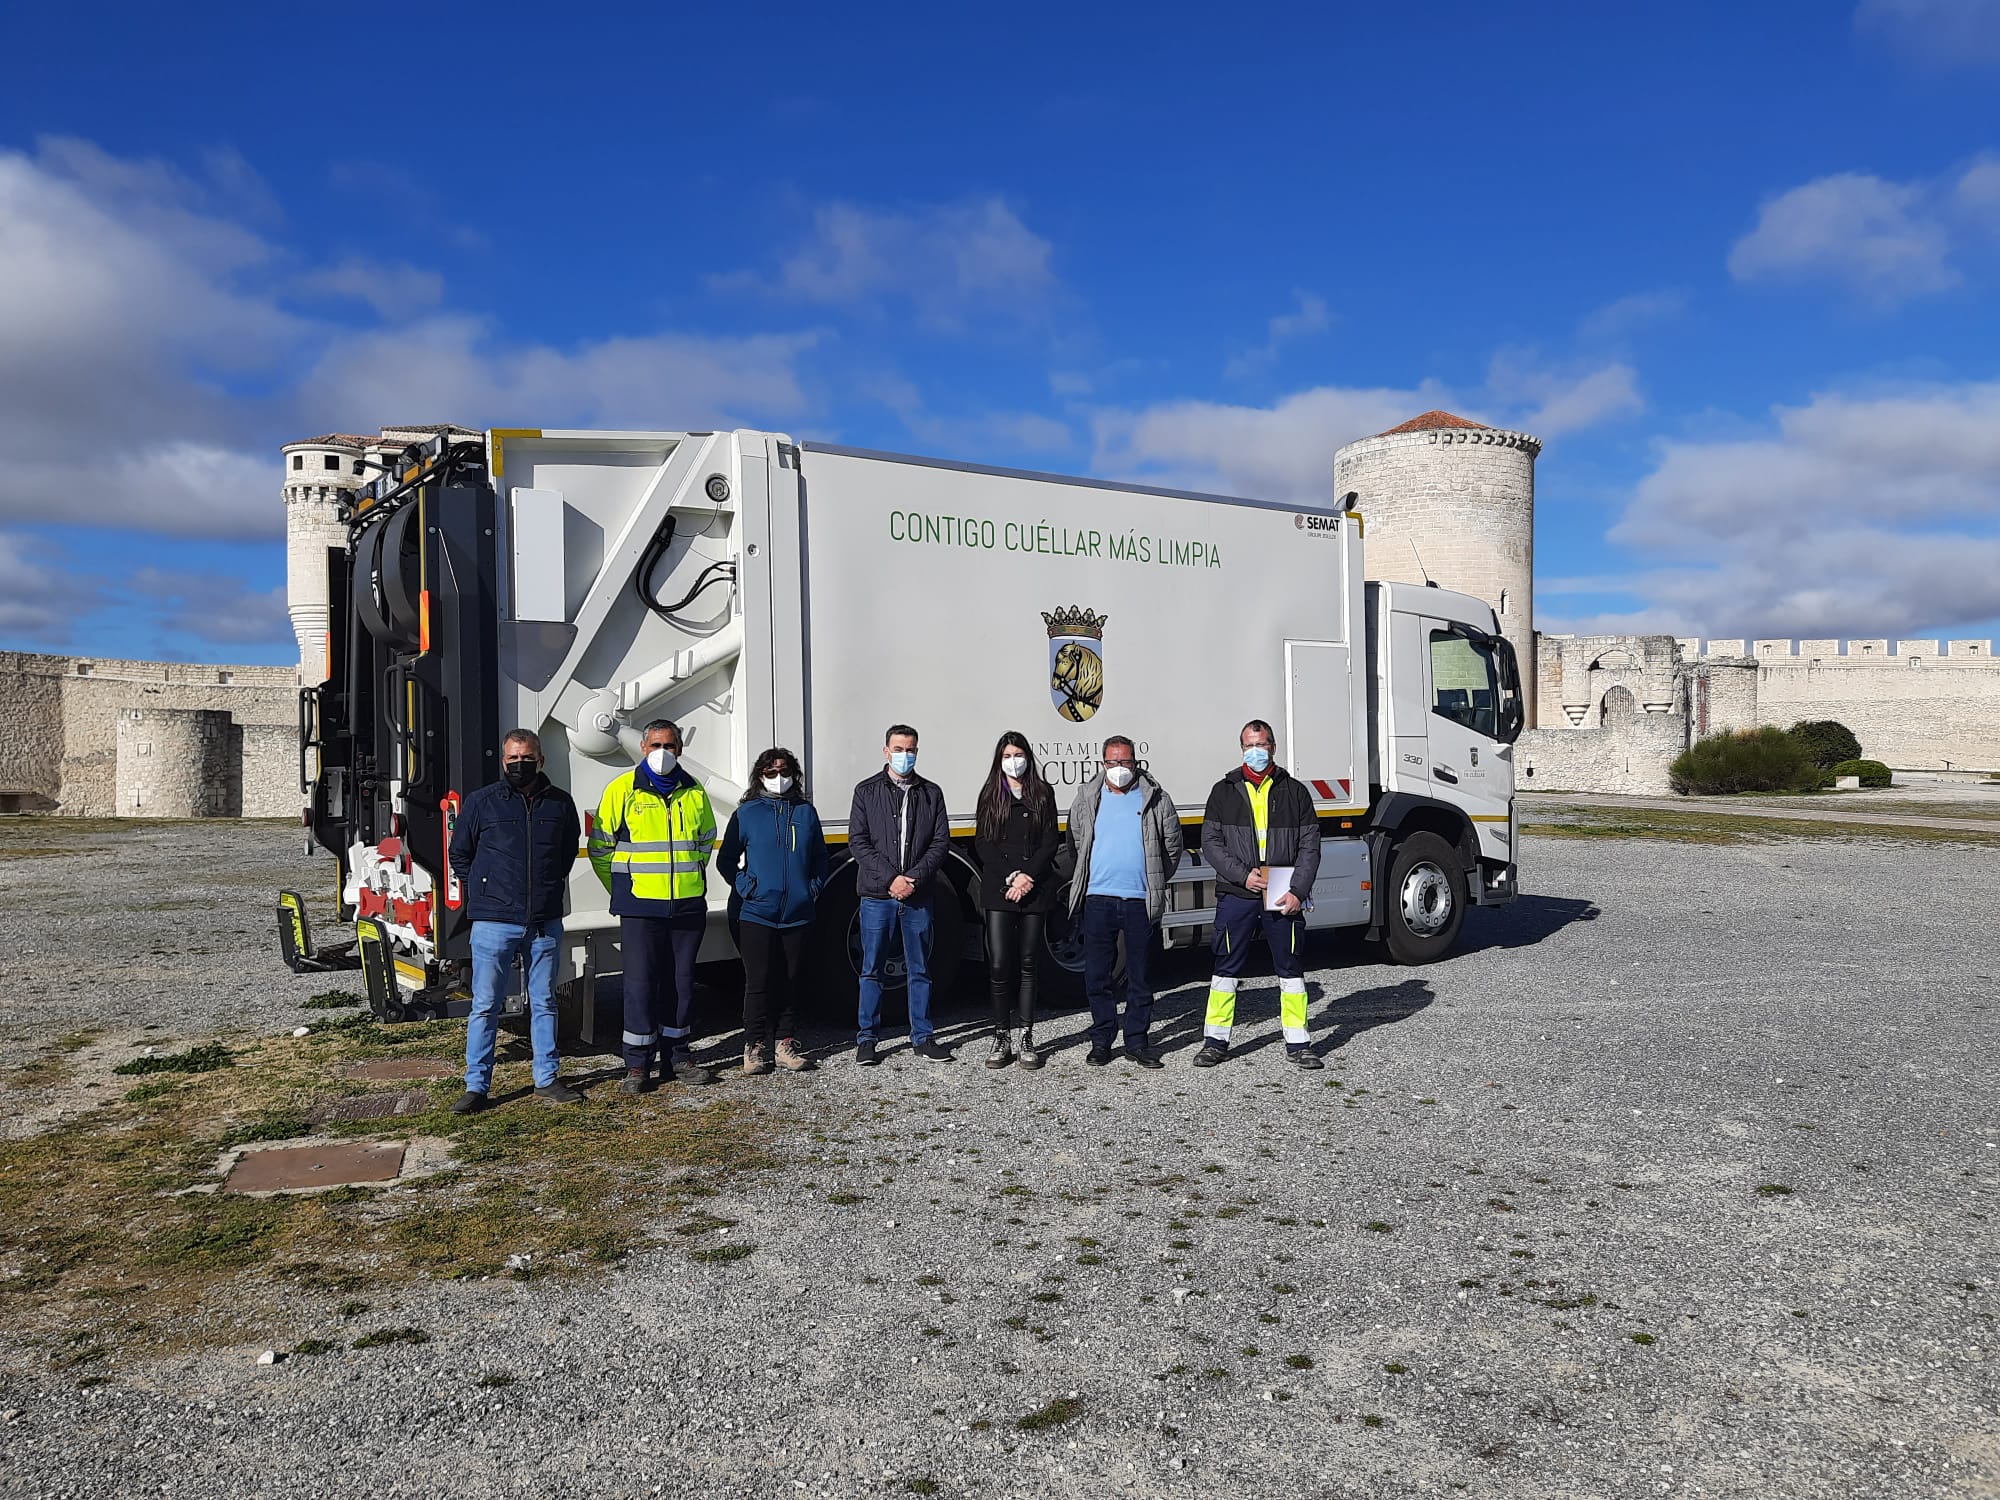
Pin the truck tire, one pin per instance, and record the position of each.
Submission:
(1059, 970)
(833, 969)
(1425, 900)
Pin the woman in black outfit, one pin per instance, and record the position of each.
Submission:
(1015, 840)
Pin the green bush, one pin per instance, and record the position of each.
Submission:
(1871, 772)
(1750, 760)
(1827, 741)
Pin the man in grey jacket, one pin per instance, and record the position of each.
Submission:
(1125, 836)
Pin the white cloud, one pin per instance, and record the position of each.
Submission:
(1308, 316)
(214, 608)
(1951, 33)
(1884, 241)
(1562, 400)
(465, 370)
(1862, 514)
(954, 263)
(1279, 452)
(1627, 315)
(136, 308)
(989, 435)
(392, 290)
(39, 599)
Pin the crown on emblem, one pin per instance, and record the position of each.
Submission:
(1075, 621)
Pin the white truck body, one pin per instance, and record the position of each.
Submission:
(761, 592)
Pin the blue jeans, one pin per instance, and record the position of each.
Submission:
(881, 917)
(1105, 919)
(494, 945)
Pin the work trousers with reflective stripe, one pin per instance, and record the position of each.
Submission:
(659, 955)
(1237, 921)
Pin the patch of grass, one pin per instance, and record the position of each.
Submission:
(1378, 1226)
(1642, 1338)
(333, 1000)
(1773, 1190)
(1393, 1368)
(1703, 827)
(845, 1200)
(383, 1337)
(1062, 1410)
(1299, 1361)
(921, 1486)
(205, 1058)
(76, 1041)
(1369, 1419)
(721, 1254)
(498, 1380)
(353, 1309)
(94, 1200)
(315, 1346)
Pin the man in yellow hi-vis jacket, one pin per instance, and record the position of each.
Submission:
(650, 845)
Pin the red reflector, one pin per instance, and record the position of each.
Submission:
(424, 623)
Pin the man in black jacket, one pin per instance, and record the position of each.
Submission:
(1260, 825)
(513, 847)
(898, 835)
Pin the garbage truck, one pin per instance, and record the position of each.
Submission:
(760, 591)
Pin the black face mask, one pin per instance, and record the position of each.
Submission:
(520, 774)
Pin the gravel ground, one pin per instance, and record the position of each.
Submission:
(1512, 1242)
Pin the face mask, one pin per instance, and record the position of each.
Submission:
(1258, 759)
(902, 762)
(520, 773)
(1015, 766)
(662, 761)
(777, 786)
(1119, 776)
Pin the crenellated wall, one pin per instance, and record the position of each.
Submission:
(61, 735)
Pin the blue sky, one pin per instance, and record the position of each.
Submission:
(1738, 265)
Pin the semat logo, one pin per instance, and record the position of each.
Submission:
(1308, 522)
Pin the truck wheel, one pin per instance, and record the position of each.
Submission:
(1059, 974)
(1425, 900)
(834, 970)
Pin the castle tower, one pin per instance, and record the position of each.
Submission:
(1454, 500)
(320, 474)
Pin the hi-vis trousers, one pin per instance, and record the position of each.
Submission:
(659, 954)
(1236, 923)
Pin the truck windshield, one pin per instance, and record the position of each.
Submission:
(1473, 682)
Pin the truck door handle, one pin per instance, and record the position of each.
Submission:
(1444, 773)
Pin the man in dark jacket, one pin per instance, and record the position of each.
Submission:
(513, 848)
(1260, 827)
(898, 835)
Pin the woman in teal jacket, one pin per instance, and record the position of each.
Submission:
(774, 857)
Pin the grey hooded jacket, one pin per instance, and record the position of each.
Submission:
(1159, 830)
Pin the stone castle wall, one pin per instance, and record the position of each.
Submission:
(1916, 705)
(62, 721)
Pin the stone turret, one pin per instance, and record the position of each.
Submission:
(320, 474)
(1452, 500)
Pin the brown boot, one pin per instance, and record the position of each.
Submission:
(790, 1058)
(756, 1061)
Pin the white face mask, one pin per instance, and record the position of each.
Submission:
(662, 761)
(1119, 776)
(777, 786)
(1015, 765)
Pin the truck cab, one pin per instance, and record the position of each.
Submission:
(1447, 705)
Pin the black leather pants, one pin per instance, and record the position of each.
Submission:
(1013, 943)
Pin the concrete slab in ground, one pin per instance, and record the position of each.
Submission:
(372, 1106)
(400, 1069)
(280, 1169)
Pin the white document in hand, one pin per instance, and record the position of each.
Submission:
(1278, 886)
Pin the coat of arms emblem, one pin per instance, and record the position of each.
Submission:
(1076, 661)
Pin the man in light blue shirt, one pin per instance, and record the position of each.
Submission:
(1125, 837)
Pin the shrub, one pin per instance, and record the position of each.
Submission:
(1750, 760)
(1827, 741)
(1871, 772)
